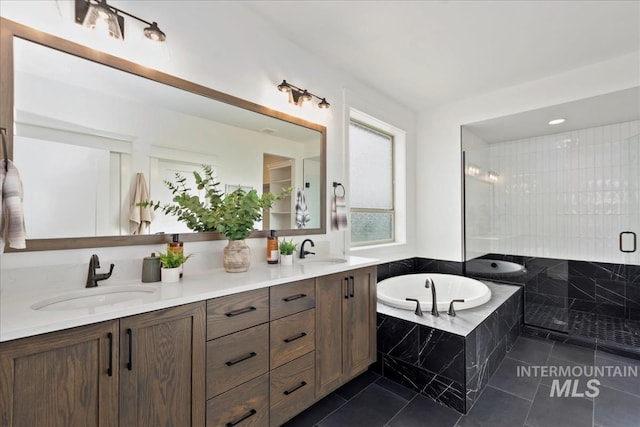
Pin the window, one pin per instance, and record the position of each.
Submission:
(371, 167)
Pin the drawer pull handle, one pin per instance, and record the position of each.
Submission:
(298, 387)
(240, 311)
(346, 295)
(241, 359)
(294, 297)
(295, 337)
(249, 414)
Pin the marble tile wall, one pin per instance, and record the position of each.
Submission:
(586, 301)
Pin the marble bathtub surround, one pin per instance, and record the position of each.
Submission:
(449, 359)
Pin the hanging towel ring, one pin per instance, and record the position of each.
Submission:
(3, 131)
(335, 189)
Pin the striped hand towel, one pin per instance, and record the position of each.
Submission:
(12, 217)
(302, 211)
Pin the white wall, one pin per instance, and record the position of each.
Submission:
(438, 175)
(225, 46)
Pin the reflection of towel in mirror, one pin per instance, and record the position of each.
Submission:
(140, 217)
(302, 212)
(338, 213)
(12, 217)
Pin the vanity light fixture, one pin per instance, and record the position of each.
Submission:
(97, 13)
(556, 121)
(298, 96)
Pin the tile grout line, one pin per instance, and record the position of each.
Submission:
(332, 412)
(400, 410)
(537, 388)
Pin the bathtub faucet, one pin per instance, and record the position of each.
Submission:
(434, 301)
(418, 311)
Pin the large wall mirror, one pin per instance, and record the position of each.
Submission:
(82, 125)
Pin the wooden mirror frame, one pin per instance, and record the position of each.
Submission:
(10, 30)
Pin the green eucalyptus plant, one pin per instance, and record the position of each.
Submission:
(287, 248)
(233, 215)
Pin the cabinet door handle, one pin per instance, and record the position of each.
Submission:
(346, 295)
(241, 359)
(110, 369)
(295, 337)
(352, 282)
(130, 362)
(298, 387)
(240, 311)
(294, 297)
(249, 414)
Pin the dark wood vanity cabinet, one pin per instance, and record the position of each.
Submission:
(140, 370)
(345, 327)
(162, 361)
(66, 378)
(255, 358)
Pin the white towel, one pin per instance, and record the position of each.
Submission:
(140, 217)
(12, 210)
(302, 211)
(338, 213)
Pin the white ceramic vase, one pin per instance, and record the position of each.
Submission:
(170, 275)
(286, 259)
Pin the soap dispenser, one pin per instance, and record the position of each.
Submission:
(272, 248)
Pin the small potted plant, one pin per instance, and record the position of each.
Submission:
(287, 249)
(170, 264)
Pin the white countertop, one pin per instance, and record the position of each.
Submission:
(18, 319)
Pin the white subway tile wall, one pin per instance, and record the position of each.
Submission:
(567, 195)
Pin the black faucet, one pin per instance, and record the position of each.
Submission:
(92, 276)
(418, 311)
(434, 301)
(303, 252)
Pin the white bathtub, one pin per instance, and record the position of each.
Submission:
(395, 290)
(494, 267)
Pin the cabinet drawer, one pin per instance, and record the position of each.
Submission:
(237, 358)
(292, 388)
(232, 313)
(244, 406)
(292, 337)
(292, 298)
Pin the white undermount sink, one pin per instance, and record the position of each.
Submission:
(321, 261)
(101, 296)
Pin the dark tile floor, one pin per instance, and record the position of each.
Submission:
(509, 400)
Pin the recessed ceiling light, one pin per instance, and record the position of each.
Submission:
(556, 121)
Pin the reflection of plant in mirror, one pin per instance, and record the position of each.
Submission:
(287, 248)
(233, 215)
(173, 259)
